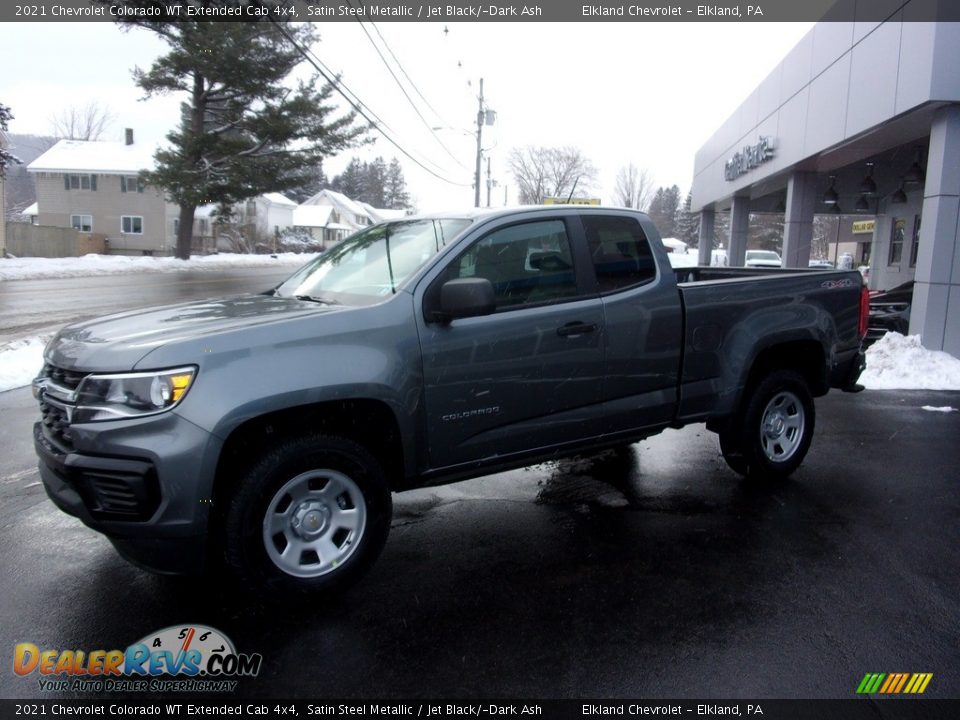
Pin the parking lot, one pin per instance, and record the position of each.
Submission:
(652, 572)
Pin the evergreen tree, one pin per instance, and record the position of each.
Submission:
(687, 223)
(397, 197)
(766, 232)
(245, 131)
(315, 181)
(663, 210)
(351, 181)
(376, 183)
(7, 159)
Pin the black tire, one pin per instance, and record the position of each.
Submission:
(774, 431)
(310, 517)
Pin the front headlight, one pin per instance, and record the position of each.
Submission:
(126, 395)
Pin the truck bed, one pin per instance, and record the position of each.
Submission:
(732, 314)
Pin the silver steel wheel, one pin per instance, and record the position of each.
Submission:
(782, 426)
(314, 523)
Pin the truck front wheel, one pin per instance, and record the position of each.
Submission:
(776, 428)
(310, 516)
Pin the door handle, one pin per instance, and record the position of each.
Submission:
(575, 328)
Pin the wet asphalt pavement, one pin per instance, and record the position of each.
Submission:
(650, 572)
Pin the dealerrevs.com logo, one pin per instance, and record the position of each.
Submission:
(180, 658)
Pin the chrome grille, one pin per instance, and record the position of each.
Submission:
(55, 388)
(67, 378)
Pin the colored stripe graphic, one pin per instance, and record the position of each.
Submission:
(870, 683)
(894, 683)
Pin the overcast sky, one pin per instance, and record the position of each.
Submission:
(650, 93)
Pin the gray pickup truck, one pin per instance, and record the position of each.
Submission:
(267, 432)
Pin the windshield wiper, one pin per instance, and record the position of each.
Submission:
(322, 301)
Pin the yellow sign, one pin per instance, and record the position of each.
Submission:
(861, 227)
(571, 201)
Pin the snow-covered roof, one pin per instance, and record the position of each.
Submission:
(110, 158)
(278, 199)
(381, 214)
(329, 197)
(312, 215)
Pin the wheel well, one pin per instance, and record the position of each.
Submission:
(803, 356)
(369, 423)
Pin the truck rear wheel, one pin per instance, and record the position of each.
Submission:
(775, 430)
(311, 516)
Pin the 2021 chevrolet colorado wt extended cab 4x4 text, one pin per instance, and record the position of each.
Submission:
(269, 431)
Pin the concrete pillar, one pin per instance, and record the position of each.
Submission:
(798, 220)
(705, 241)
(739, 228)
(935, 314)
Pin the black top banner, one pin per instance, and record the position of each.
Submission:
(439, 709)
(460, 11)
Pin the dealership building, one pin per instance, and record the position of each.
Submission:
(861, 120)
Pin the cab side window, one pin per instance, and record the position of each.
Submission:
(621, 254)
(527, 264)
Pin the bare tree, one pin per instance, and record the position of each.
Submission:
(633, 187)
(82, 122)
(542, 172)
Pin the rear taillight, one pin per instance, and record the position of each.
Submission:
(864, 311)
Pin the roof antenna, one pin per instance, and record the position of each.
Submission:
(573, 189)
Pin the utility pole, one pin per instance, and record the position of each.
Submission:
(476, 177)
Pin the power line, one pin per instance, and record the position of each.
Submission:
(406, 75)
(407, 95)
(357, 104)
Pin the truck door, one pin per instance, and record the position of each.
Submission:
(528, 375)
(643, 322)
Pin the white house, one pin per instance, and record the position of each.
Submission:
(262, 219)
(95, 187)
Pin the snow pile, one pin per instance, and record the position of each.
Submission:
(20, 362)
(944, 409)
(31, 268)
(896, 362)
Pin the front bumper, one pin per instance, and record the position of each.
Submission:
(146, 485)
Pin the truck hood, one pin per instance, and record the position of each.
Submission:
(117, 342)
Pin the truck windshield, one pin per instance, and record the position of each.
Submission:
(373, 264)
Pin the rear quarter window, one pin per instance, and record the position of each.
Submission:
(621, 253)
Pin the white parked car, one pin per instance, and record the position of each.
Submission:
(762, 258)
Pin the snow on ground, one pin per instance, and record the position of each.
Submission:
(20, 362)
(944, 409)
(36, 268)
(896, 362)
(678, 259)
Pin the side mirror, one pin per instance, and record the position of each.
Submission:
(467, 297)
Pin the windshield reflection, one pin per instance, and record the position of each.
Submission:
(373, 264)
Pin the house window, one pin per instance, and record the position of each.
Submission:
(83, 223)
(131, 224)
(896, 241)
(130, 183)
(79, 182)
(915, 245)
